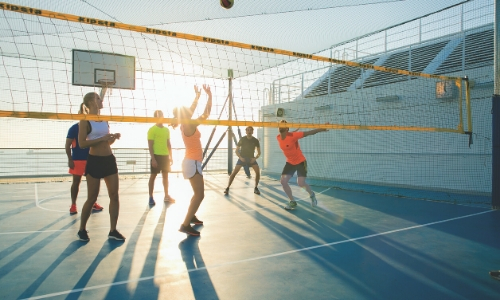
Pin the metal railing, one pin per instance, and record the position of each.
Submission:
(47, 162)
(454, 21)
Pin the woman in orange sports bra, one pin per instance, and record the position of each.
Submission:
(191, 165)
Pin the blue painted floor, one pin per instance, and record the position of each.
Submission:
(352, 246)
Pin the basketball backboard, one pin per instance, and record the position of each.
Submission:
(90, 67)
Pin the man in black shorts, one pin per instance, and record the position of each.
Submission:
(161, 156)
(245, 151)
(295, 161)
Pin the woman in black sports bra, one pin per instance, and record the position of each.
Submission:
(101, 163)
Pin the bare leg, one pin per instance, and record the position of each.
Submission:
(198, 185)
(75, 187)
(112, 183)
(151, 183)
(286, 187)
(237, 168)
(257, 174)
(164, 176)
(301, 181)
(93, 191)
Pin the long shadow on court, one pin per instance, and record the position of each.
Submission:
(199, 277)
(72, 248)
(106, 249)
(7, 214)
(417, 212)
(360, 263)
(7, 251)
(147, 289)
(28, 253)
(121, 291)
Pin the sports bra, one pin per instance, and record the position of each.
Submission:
(97, 130)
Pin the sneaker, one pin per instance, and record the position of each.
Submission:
(116, 235)
(83, 235)
(73, 210)
(314, 202)
(195, 221)
(151, 201)
(189, 230)
(291, 205)
(256, 191)
(226, 191)
(249, 176)
(495, 274)
(169, 199)
(97, 207)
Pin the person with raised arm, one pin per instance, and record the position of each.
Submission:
(191, 165)
(295, 161)
(101, 164)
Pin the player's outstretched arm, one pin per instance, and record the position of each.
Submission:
(208, 108)
(314, 131)
(193, 106)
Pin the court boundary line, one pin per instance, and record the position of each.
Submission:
(37, 202)
(40, 231)
(95, 287)
(242, 211)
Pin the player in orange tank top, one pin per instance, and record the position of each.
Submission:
(295, 161)
(191, 165)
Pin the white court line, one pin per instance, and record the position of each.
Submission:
(38, 202)
(267, 207)
(253, 258)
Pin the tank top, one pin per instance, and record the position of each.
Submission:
(193, 145)
(98, 129)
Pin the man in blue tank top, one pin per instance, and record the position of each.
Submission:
(77, 161)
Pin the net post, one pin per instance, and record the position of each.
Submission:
(458, 83)
(468, 104)
(229, 129)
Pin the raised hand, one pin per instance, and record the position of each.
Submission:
(197, 91)
(206, 87)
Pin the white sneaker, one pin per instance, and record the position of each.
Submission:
(314, 202)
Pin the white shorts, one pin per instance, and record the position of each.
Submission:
(190, 167)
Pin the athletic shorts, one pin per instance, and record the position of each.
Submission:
(79, 168)
(101, 166)
(190, 167)
(246, 162)
(290, 169)
(163, 162)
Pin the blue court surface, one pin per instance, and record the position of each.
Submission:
(352, 246)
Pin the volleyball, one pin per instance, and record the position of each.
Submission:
(227, 4)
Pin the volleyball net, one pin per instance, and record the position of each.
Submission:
(50, 60)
